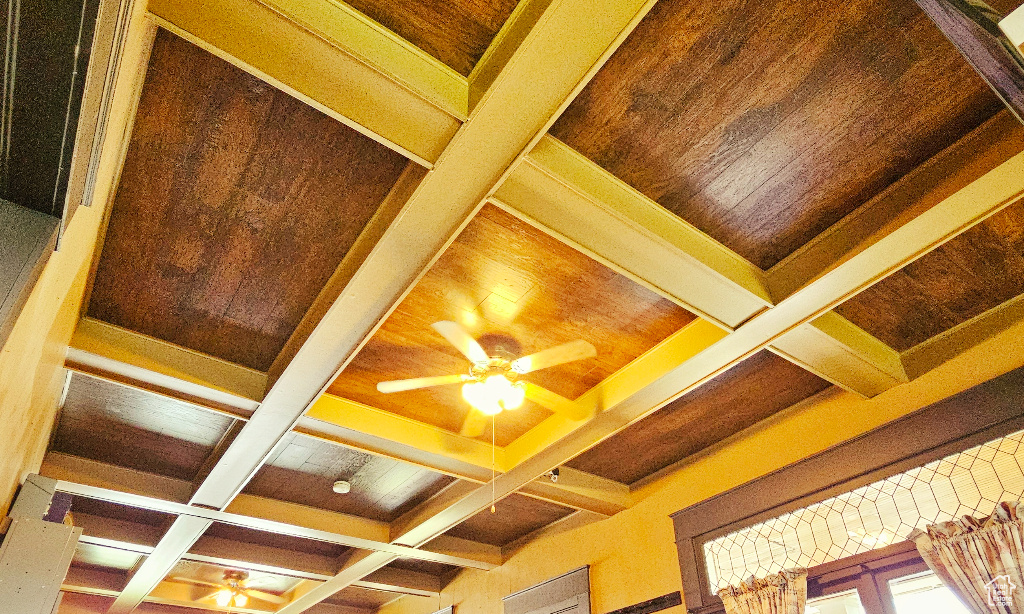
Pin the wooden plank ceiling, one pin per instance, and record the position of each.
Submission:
(764, 123)
(303, 469)
(123, 426)
(976, 271)
(457, 32)
(508, 283)
(235, 206)
(514, 517)
(753, 390)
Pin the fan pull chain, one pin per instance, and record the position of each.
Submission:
(492, 464)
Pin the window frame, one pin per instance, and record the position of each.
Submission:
(980, 414)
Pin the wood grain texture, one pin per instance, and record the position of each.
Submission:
(508, 283)
(764, 124)
(973, 27)
(978, 270)
(514, 517)
(125, 426)
(742, 396)
(275, 540)
(440, 570)
(235, 206)
(137, 515)
(457, 32)
(303, 469)
(362, 598)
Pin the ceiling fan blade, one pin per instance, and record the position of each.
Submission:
(567, 352)
(401, 385)
(556, 403)
(474, 424)
(463, 341)
(262, 596)
(194, 581)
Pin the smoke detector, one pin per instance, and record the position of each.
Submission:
(341, 487)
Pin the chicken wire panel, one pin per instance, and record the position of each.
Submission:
(873, 516)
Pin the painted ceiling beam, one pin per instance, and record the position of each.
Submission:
(879, 257)
(136, 537)
(134, 488)
(336, 60)
(563, 192)
(120, 355)
(973, 27)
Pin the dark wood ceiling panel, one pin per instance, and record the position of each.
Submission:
(503, 279)
(457, 32)
(141, 430)
(106, 509)
(978, 270)
(765, 123)
(514, 517)
(185, 571)
(440, 570)
(742, 396)
(236, 204)
(275, 540)
(102, 558)
(303, 470)
(362, 598)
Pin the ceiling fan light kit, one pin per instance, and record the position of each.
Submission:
(494, 394)
(492, 384)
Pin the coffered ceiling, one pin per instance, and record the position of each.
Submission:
(741, 207)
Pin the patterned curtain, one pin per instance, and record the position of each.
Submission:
(980, 559)
(782, 593)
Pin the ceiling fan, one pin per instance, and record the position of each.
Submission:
(233, 591)
(492, 383)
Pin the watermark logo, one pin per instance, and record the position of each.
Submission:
(1000, 591)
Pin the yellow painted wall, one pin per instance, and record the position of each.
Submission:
(32, 360)
(632, 555)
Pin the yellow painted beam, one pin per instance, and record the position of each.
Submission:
(658, 361)
(571, 168)
(379, 47)
(942, 348)
(404, 432)
(159, 493)
(109, 351)
(331, 75)
(982, 150)
(884, 255)
(641, 252)
(594, 494)
(835, 349)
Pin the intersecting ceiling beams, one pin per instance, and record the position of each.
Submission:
(512, 107)
(535, 81)
(880, 256)
(128, 358)
(335, 60)
(156, 493)
(140, 538)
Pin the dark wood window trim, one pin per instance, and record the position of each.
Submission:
(975, 416)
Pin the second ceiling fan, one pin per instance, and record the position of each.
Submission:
(493, 383)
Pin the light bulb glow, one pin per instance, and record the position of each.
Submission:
(494, 394)
(241, 599)
(223, 597)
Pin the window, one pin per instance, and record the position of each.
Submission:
(873, 516)
(893, 580)
(923, 592)
(846, 602)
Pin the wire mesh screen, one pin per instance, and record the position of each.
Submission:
(873, 516)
